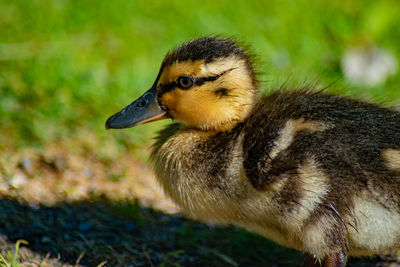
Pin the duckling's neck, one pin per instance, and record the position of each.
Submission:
(228, 114)
(178, 137)
(190, 161)
(215, 128)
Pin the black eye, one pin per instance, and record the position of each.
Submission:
(185, 82)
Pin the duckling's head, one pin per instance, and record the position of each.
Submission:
(208, 83)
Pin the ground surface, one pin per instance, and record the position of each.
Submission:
(77, 210)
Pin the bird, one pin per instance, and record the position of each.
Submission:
(305, 168)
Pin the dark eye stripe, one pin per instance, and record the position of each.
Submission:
(168, 87)
(165, 88)
(202, 80)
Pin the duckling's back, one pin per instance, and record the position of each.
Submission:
(312, 171)
(334, 165)
(355, 143)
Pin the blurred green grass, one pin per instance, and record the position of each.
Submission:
(66, 65)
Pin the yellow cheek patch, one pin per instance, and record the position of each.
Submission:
(391, 158)
(214, 104)
(199, 106)
(169, 101)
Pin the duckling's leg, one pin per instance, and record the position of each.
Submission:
(338, 259)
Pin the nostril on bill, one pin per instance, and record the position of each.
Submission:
(142, 103)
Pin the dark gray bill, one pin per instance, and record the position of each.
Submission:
(144, 109)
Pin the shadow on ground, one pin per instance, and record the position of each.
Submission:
(105, 233)
(123, 234)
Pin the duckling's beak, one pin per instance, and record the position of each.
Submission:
(144, 109)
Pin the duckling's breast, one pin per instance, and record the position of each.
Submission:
(203, 172)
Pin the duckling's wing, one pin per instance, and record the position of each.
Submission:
(331, 168)
(355, 144)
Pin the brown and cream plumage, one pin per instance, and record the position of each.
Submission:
(309, 170)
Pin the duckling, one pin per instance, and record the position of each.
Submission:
(309, 170)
